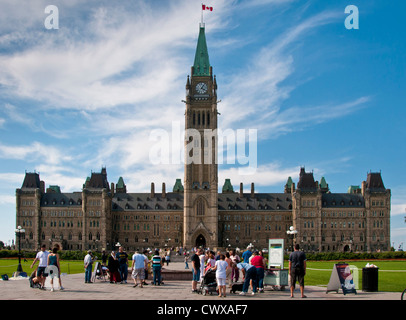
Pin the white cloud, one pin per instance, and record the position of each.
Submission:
(36, 151)
(270, 174)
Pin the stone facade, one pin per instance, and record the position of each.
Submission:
(195, 213)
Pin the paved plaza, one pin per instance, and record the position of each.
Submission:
(76, 289)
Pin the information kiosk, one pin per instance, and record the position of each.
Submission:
(276, 276)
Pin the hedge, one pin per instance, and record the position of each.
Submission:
(79, 255)
(354, 255)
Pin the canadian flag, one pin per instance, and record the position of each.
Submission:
(204, 7)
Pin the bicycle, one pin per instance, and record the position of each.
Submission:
(403, 296)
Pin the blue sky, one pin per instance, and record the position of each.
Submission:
(90, 93)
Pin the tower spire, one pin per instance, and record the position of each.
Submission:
(201, 66)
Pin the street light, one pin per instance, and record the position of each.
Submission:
(19, 231)
(292, 231)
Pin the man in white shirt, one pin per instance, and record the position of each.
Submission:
(42, 257)
(88, 262)
(139, 264)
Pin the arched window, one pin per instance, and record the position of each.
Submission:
(200, 208)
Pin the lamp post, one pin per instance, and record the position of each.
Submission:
(19, 231)
(292, 232)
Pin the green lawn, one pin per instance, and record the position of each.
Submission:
(8, 266)
(319, 273)
(387, 280)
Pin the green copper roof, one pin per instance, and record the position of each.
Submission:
(120, 183)
(55, 189)
(227, 187)
(201, 67)
(323, 183)
(353, 189)
(289, 182)
(178, 187)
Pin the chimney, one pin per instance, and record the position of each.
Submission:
(152, 190)
(112, 188)
(293, 188)
(163, 190)
(252, 190)
(241, 191)
(42, 186)
(363, 187)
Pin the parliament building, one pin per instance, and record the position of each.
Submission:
(194, 212)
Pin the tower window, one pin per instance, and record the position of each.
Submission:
(208, 118)
(200, 207)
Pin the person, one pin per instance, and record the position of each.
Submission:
(195, 269)
(218, 255)
(186, 261)
(202, 258)
(144, 282)
(250, 273)
(113, 266)
(156, 268)
(88, 262)
(211, 261)
(122, 258)
(235, 273)
(168, 257)
(104, 258)
(258, 262)
(220, 267)
(139, 264)
(42, 257)
(246, 255)
(297, 269)
(53, 260)
(229, 268)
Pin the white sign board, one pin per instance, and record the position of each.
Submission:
(276, 251)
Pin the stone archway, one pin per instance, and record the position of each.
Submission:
(200, 241)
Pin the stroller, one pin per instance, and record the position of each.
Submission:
(208, 284)
(33, 280)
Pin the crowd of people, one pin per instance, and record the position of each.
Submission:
(115, 266)
(228, 267)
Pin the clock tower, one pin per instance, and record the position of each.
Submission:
(201, 182)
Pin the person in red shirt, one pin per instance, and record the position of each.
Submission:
(258, 262)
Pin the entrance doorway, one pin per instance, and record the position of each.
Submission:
(200, 241)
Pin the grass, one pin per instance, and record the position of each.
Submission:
(9, 266)
(387, 280)
(319, 272)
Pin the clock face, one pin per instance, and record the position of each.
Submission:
(201, 88)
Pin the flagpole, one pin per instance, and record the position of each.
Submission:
(202, 24)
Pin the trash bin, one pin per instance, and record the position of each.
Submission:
(370, 279)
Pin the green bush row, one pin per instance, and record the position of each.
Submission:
(79, 255)
(319, 256)
(63, 255)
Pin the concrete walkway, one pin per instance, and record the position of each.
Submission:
(76, 289)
